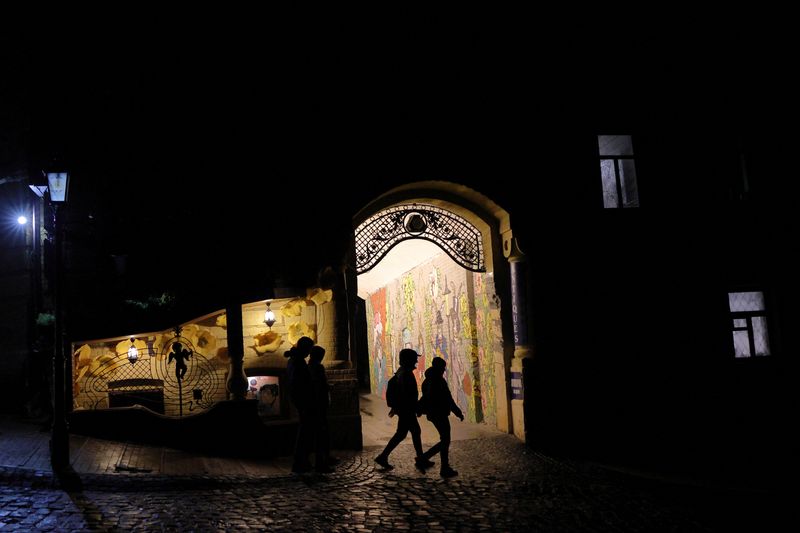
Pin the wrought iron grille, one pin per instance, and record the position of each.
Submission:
(153, 383)
(380, 233)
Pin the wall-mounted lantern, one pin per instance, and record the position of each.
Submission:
(133, 353)
(269, 317)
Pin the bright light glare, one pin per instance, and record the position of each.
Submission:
(22, 220)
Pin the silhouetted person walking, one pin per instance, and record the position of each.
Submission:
(298, 378)
(438, 403)
(401, 397)
(320, 402)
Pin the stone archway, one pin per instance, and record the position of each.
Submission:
(479, 316)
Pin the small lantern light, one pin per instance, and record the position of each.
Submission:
(269, 317)
(133, 353)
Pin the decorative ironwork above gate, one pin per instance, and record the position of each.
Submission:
(381, 232)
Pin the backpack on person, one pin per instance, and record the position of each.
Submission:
(393, 392)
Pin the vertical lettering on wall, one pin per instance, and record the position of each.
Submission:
(518, 304)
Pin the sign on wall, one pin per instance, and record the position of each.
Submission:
(517, 392)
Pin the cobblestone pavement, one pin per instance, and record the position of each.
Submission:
(502, 486)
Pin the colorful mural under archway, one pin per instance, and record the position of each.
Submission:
(440, 310)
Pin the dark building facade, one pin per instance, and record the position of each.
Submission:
(643, 345)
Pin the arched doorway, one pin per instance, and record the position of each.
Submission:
(431, 269)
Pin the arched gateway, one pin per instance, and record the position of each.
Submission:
(437, 270)
(435, 266)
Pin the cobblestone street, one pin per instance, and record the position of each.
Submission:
(501, 487)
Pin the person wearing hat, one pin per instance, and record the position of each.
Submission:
(403, 402)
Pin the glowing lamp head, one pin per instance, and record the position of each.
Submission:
(269, 317)
(133, 353)
(58, 184)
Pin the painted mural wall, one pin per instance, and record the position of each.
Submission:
(440, 309)
(104, 376)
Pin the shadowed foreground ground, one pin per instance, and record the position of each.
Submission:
(502, 487)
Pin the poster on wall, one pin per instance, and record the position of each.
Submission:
(265, 389)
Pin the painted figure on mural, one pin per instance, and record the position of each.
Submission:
(434, 283)
(406, 338)
(452, 310)
(440, 346)
(420, 360)
(378, 372)
(483, 364)
(447, 300)
(439, 319)
(478, 283)
(180, 354)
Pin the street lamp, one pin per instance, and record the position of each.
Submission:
(57, 183)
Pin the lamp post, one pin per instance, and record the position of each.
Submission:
(57, 183)
(37, 212)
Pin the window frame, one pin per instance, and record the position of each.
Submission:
(617, 176)
(748, 316)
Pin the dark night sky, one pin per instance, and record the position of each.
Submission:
(202, 141)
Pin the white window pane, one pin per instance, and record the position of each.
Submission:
(630, 191)
(615, 145)
(760, 335)
(746, 301)
(741, 345)
(739, 322)
(609, 183)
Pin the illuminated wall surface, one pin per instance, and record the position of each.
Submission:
(311, 315)
(103, 375)
(440, 309)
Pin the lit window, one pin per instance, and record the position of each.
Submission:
(618, 171)
(749, 324)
